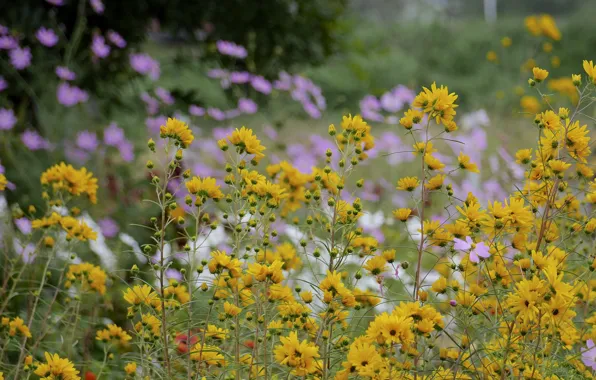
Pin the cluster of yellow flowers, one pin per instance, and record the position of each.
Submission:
(497, 290)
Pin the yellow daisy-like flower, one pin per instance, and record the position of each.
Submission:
(204, 187)
(3, 182)
(464, 163)
(408, 183)
(55, 368)
(246, 141)
(140, 294)
(590, 69)
(436, 182)
(402, 214)
(539, 74)
(231, 310)
(130, 368)
(376, 265)
(90, 276)
(65, 177)
(177, 130)
(302, 357)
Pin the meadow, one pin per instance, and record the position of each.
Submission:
(418, 203)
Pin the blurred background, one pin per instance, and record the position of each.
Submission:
(89, 81)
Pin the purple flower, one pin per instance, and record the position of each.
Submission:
(453, 303)
(164, 95)
(33, 140)
(589, 356)
(284, 83)
(8, 43)
(261, 84)
(47, 37)
(116, 39)
(311, 110)
(75, 155)
(7, 119)
(231, 49)
(113, 135)
(65, 73)
(99, 47)
(476, 249)
(196, 110)
(24, 225)
(109, 227)
(239, 77)
(391, 102)
(126, 150)
(70, 95)
(87, 140)
(3, 84)
(3, 30)
(57, 3)
(145, 65)
(247, 106)
(97, 6)
(216, 114)
(151, 103)
(20, 58)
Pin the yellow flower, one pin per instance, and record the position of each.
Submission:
(437, 102)
(231, 310)
(130, 368)
(402, 214)
(301, 357)
(411, 117)
(207, 355)
(55, 368)
(433, 163)
(558, 166)
(177, 130)
(90, 276)
(491, 56)
(440, 286)
(576, 79)
(246, 141)
(306, 296)
(76, 182)
(408, 183)
(3, 182)
(464, 163)
(376, 265)
(18, 325)
(590, 70)
(523, 156)
(364, 358)
(506, 42)
(204, 187)
(140, 294)
(530, 104)
(548, 27)
(436, 182)
(547, 47)
(539, 74)
(532, 25)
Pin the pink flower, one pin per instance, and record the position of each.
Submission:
(476, 249)
(20, 58)
(231, 49)
(47, 37)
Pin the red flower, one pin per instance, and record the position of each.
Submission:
(90, 376)
(249, 344)
(182, 340)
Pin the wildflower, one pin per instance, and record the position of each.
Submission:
(231, 49)
(76, 182)
(231, 310)
(506, 42)
(46, 37)
(576, 79)
(491, 56)
(539, 74)
(69, 96)
(301, 357)
(145, 65)
(306, 296)
(590, 70)
(407, 183)
(90, 276)
(18, 325)
(140, 294)
(476, 249)
(56, 367)
(548, 27)
(116, 39)
(7, 119)
(246, 141)
(130, 368)
(440, 286)
(99, 47)
(3, 182)
(204, 187)
(178, 130)
(207, 355)
(411, 117)
(376, 265)
(433, 163)
(20, 58)
(436, 182)
(530, 104)
(464, 163)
